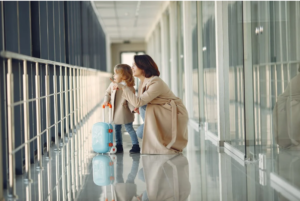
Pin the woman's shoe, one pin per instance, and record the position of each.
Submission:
(119, 148)
(135, 149)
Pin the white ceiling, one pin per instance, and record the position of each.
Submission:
(128, 20)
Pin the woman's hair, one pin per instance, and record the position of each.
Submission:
(146, 63)
(126, 72)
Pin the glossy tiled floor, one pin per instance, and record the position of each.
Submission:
(202, 172)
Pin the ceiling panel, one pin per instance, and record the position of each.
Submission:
(112, 28)
(121, 22)
(106, 13)
(104, 4)
(110, 22)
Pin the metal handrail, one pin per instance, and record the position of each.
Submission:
(17, 56)
(77, 87)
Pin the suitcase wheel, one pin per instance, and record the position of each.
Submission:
(113, 150)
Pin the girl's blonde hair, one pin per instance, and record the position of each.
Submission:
(126, 72)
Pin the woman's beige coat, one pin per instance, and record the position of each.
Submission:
(122, 111)
(166, 118)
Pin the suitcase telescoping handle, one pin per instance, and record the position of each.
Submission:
(109, 112)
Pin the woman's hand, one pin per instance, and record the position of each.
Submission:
(116, 86)
(137, 110)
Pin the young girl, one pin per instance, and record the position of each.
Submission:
(122, 111)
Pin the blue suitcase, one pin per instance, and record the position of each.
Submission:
(103, 173)
(102, 135)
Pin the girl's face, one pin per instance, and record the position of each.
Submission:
(136, 72)
(118, 77)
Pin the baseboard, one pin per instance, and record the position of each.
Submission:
(234, 153)
(285, 188)
(213, 138)
(235, 157)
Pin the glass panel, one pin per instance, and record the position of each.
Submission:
(209, 66)
(180, 70)
(276, 61)
(195, 74)
(233, 40)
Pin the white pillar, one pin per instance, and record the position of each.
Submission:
(249, 96)
(222, 73)
(187, 49)
(173, 47)
(164, 49)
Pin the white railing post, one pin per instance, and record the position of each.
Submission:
(11, 131)
(26, 123)
(47, 89)
(71, 88)
(75, 126)
(55, 110)
(38, 117)
(79, 126)
(75, 99)
(61, 100)
(67, 92)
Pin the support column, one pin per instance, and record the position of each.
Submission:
(164, 49)
(187, 49)
(173, 47)
(222, 73)
(248, 73)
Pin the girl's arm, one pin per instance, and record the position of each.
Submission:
(130, 106)
(107, 94)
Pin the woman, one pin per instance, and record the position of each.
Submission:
(166, 118)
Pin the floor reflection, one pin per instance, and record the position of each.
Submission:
(166, 177)
(202, 172)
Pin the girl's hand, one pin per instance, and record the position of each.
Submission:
(116, 86)
(106, 103)
(137, 110)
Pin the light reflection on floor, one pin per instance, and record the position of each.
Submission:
(202, 172)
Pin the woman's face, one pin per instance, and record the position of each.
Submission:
(137, 72)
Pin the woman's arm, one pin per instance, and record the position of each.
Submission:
(154, 89)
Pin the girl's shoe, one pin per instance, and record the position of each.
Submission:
(135, 149)
(119, 148)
